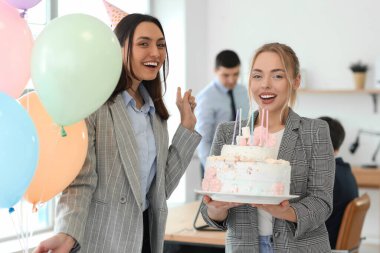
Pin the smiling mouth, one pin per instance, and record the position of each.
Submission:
(267, 97)
(151, 64)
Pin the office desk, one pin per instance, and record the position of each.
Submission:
(367, 178)
(370, 179)
(179, 227)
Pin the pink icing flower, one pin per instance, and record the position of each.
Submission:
(210, 173)
(242, 142)
(210, 182)
(205, 184)
(278, 188)
(213, 185)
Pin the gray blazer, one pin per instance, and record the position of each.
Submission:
(307, 146)
(102, 208)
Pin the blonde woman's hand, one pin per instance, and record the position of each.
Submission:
(59, 243)
(218, 210)
(281, 211)
(186, 106)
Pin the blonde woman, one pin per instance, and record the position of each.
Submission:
(292, 226)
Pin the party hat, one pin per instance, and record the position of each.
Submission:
(114, 13)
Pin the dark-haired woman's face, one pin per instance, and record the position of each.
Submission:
(148, 51)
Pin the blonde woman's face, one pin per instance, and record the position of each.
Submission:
(269, 85)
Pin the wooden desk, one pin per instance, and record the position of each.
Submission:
(367, 178)
(179, 227)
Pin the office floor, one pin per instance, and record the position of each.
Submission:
(173, 248)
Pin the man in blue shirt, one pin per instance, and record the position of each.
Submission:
(219, 100)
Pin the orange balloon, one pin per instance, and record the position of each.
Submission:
(61, 158)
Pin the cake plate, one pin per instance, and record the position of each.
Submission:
(246, 198)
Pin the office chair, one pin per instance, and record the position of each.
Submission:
(352, 223)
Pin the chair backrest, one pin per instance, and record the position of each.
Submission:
(352, 223)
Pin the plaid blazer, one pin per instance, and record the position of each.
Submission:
(102, 208)
(307, 146)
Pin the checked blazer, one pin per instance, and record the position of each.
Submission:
(102, 208)
(307, 146)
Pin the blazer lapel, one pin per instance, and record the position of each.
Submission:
(126, 143)
(158, 135)
(290, 137)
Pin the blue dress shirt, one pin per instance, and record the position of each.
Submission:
(213, 108)
(142, 126)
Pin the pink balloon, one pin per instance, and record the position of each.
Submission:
(16, 43)
(23, 4)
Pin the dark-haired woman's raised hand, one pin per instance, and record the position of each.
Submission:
(186, 106)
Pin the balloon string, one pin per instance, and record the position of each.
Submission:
(63, 132)
(18, 232)
(23, 228)
(27, 233)
(29, 228)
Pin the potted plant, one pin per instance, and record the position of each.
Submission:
(359, 69)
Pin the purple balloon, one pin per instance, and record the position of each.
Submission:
(23, 4)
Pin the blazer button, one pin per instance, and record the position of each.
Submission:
(123, 200)
(276, 234)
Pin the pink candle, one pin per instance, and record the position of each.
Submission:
(262, 127)
(267, 128)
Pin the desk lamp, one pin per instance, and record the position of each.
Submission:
(354, 146)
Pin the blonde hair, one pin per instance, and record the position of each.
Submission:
(291, 64)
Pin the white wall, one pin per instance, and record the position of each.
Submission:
(327, 36)
(171, 15)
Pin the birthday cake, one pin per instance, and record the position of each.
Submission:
(248, 169)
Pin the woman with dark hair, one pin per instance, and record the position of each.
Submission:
(117, 203)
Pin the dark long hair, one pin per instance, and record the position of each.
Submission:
(126, 30)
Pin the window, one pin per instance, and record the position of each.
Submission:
(22, 219)
(97, 9)
(38, 17)
(22, 223)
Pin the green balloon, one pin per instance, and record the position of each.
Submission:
(76, 64)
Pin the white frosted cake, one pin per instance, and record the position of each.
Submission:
(250, 170)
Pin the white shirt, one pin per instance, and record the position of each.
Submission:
(264, 218)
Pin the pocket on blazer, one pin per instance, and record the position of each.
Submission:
(98, 201)
(299, 178)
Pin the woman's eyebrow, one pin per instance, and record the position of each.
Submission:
(276, 70)
(149, 38)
